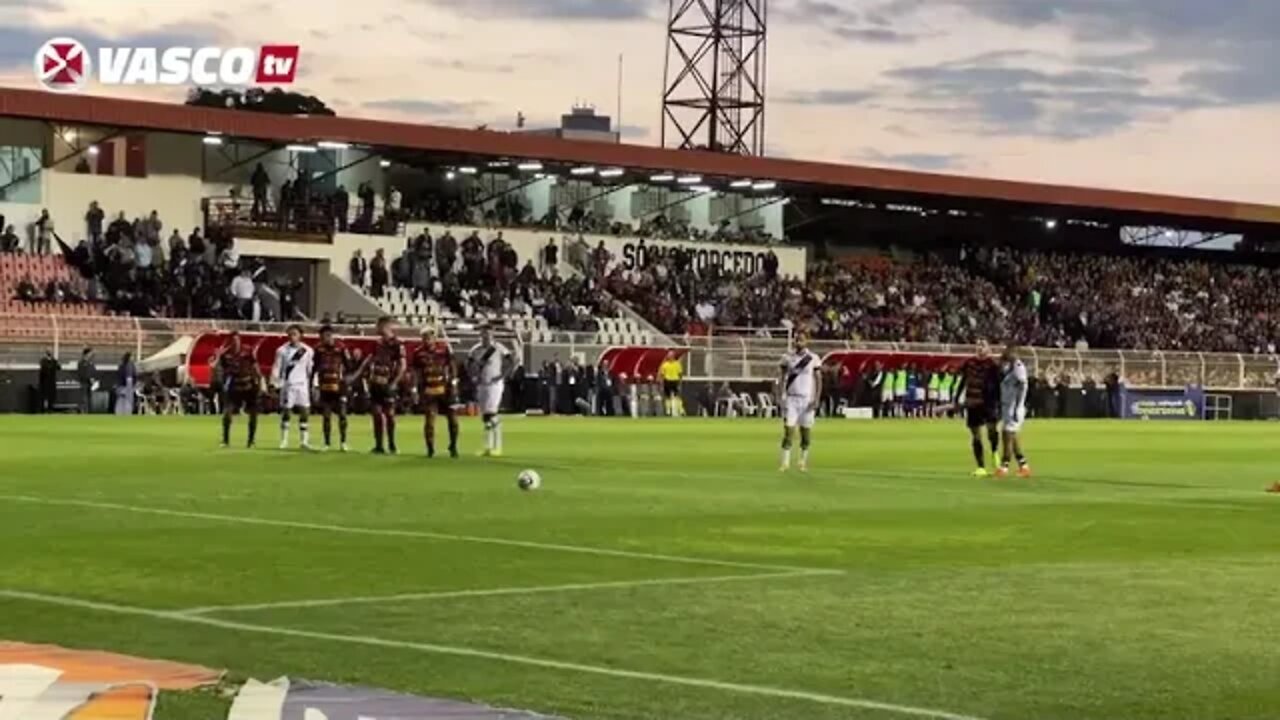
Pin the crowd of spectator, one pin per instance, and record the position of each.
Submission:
(1142, 302)
(1052, 299)
(131, 267)
(298, 205)
(475, 277)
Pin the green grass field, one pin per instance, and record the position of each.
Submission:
(667, 570)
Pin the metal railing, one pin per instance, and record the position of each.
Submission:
(720, 354)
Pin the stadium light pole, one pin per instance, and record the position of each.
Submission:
(713, 95)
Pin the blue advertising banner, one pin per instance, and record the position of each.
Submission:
(1185, 404)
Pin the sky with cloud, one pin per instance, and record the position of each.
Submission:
(1175, 96)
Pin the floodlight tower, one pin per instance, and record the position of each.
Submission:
(713, 93)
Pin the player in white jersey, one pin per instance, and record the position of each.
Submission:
(1013, 410)
(488, 363)
(291, 373)
(801, 386)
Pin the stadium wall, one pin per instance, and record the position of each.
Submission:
(21, 216)
(335, 295)
(170, 195)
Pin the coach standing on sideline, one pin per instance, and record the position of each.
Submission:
(84, 373)
(49, 368)
(126, 379)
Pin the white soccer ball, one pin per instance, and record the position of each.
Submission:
(528, 480)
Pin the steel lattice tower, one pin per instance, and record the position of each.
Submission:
(714, 82)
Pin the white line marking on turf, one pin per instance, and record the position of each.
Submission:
(744, 689)
(424, 534)
(493, 592)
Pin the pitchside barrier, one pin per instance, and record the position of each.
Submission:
(749, 356)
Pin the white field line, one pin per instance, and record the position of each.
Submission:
(423, 534)
(493, 592)
(686, 681)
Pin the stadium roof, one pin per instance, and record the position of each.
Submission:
(1130, 207)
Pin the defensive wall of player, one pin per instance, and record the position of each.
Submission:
(632, 361)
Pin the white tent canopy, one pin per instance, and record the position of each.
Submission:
(173, 356)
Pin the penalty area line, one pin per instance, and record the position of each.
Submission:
(497, 592)
(421, 534)
(545, 663)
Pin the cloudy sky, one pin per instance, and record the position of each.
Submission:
(1176, 96)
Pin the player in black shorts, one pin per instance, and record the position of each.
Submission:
(332, 362)
(242, 386)
(980, 381)
(384, 369)
(433, 364)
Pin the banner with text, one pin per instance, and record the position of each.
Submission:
(635, 253)
(1187, 404)
(629, 252)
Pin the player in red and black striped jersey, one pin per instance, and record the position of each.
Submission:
(332, 363)
(241, 386)
(384, 369)
(980, 385)
(434, 366)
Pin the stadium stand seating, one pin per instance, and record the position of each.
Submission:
(39, 271)
(401, 304)
(486, 281)
(1141, 300)
(1048, 299)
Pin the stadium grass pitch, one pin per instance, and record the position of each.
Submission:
(1135, 577)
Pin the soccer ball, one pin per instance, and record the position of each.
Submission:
(528, 480)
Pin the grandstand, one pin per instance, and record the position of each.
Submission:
(664, 250)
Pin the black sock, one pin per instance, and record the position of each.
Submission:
(978, 455)
(453, 434)
(342, 429)
(226, 430)
(994, 439)
(1022, 460)
(253, 428)
(328, 430)
(391, 433)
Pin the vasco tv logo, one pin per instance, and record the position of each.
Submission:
(64, 65)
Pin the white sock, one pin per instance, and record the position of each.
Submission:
(284, 433)
(306, 434)
(497, 434)
(786, 457)
(488, 436)
(804, 456)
